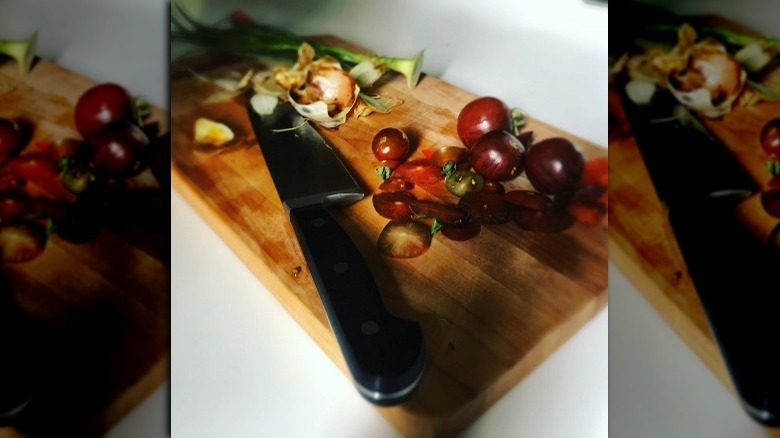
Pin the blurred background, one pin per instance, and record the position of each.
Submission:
(657, 385)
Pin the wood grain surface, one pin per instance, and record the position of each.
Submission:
(491, 309)
(97, 312)
(641, 242)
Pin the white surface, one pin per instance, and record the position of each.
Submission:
(243, 367)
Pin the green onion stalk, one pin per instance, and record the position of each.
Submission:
(263, 40)
(23, 51)
(726, 35)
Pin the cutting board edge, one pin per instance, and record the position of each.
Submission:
(547, 346)
(700, 343)
(132, 396)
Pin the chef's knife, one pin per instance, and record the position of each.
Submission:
(737, 280)
(385, 354)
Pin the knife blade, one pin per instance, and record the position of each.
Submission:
(735, 275)
(385, 354)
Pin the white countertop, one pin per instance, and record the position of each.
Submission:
(240, 365)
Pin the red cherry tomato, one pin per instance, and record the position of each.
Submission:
(101, 105)
(119, 148)
(554, 165)
(497, 156)
(770, 138)
(390, 144)
(10, 139)
(481, 116)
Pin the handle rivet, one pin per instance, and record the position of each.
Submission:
(341, 267)
(369, 328)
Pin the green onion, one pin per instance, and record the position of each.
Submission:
(259, 39)
(726, 35)
(23, 51)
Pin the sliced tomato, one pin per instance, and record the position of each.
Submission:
(587, 204)
(21, 242)
(33, 166)
(428, 152)
(419, 171)
(404, 239)
(10, 181)
(393, 205)
(12, 206)
(444, 212)
(462, 231)
(485, 207)
(554, 219)
(454, 154)
(596, 172)
(528, 199)
(66, 147)
(394, 184)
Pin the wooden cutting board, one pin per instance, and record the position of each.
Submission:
(98, 311)
(491, 309)
(641, 241)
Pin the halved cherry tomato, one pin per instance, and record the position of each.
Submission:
(463, 181)
(394, 184)
(419, 171)
(404, 239)
(393, 205)
(485, 207)
(444, 212)
(586, 204)
(33, 166)
(528, 199)
(553, 219)
(455, 154)
(596, 172)
(21, 242)
(12, 206)
(462, 231)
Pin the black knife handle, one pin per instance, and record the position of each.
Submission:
(385, 354)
